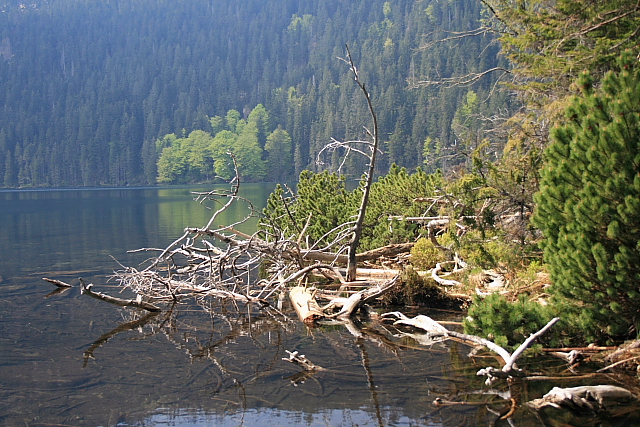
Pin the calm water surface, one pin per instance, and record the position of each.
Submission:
(69, 360)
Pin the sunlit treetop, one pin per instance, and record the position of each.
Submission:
(550, 42)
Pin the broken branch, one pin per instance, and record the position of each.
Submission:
(302, 361)
(86, 290)
(58, 283)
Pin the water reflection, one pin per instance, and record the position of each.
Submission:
(234, 366)
(66, 359)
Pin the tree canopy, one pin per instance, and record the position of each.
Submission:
(95, 84)
(201, 157)
(550, 43)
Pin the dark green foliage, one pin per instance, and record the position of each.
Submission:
(550, 43)
(393, 195)
(507, 323)
(589, 206)
(324, 198)
(322, 203)
(87, 87)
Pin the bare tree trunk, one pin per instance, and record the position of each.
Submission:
(357, 228)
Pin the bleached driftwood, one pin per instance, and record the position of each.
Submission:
(458, 266)
(572, 357)
(626, 356)
(440, 280)
(509, 369)
(586, 399)
(61, 287)
(384, 251)
(421, 322)
(350, 304)
(302, 361)
(58, 283)
(304, 303)
(86, 290)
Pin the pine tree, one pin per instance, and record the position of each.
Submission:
(589, 206)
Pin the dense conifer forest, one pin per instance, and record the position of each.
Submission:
(90, 89)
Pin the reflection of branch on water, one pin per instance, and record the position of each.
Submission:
(56, 291)
(62, 287)
(502, 409)
(300, 377)
(88, 354)
(366, 364)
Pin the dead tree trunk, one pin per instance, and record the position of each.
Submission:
(357, 228)
(509, 370)
(587, 399)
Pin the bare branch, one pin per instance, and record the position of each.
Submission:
(58, 283)
(457, 35)
(466, 80)
(86, 290)
(508, 370)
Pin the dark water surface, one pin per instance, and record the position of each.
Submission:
(69, 360)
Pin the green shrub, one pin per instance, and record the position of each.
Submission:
(588, 207)
(508, 324)
(424, 255)
(322, 200)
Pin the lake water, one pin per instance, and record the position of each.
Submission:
(70, 360)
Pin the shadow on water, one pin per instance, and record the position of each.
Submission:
(69, 360)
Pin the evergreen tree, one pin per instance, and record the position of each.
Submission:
(102, 82)
(149, 161)
(548, 43)
(9, 171)
(322, 203)
(589, 206)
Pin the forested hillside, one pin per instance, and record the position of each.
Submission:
(87, 88)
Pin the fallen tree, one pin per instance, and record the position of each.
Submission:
(588, 400)
(225, 264)
(509, 368)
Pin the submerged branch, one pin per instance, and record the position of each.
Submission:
(129, 326)
(302, 361)
(86, 290)
(58, 283)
